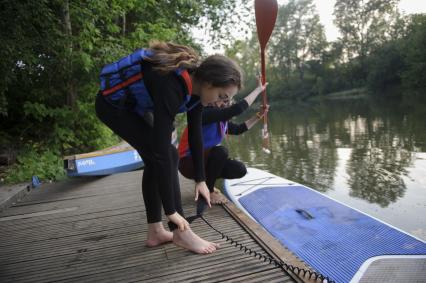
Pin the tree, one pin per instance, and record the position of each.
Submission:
(415, 54)
(72, 39)
(364, 25)
(247, 54)
(52, 51)
(299, 36)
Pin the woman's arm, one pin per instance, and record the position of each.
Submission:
(251, 97)
(238, 129)
(195, 140)
(215, 114)
(167, 96)
(252, 121)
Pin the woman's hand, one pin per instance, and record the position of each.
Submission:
(201, 189)
(255, 93)
(263, 111)
(257, 117)
(177, 219)
(260, 88)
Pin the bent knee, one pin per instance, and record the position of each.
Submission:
(241, 170)
(219, 152)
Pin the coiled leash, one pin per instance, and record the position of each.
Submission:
(202, 205)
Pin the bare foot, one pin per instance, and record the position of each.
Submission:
(217, 197)
(157, 235)
(190, 241)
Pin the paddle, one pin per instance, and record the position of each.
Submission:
(266, 14)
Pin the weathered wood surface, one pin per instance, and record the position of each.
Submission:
(93, 230)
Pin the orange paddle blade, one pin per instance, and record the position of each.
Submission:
(266, 15)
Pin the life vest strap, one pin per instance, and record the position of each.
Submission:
(122, 85)
(188, 82)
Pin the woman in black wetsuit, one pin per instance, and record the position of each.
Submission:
(216, 125)
(214, 81)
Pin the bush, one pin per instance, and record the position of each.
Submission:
(47, 165)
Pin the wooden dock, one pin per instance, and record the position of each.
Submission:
(93, 230)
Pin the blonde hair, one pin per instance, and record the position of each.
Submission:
(168, 56)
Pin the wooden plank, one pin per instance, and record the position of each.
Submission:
(105, 256)
(88, 228)
(103, 240)
(57, 248)
(123, 146)
(82, 265)
(262, 276)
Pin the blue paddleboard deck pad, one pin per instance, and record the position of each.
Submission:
(331, 237)
(334, 239)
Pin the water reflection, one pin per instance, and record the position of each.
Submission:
(376, 173)
(305, 140)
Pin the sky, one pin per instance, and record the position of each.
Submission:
(325, 11)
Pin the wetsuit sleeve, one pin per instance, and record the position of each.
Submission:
(236, 129)
(167, 95)
(195, 139)
(214, 114)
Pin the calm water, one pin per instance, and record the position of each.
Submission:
(369, 155)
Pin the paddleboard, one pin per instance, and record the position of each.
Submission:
(336, 240)
(116, 159)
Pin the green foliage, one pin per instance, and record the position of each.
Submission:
(47, 165)
(364, 25)
(52, 51)
(385, 66)
(246, 53)
(379, 48)
(298, 37)
(414, 53)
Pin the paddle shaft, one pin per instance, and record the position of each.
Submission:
(263, 70)
(266, 15)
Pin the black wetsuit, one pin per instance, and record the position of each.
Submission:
(218, 163)
(160, 183)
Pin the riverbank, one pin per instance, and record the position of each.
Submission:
(355, 93)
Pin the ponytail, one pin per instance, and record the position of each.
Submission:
(169, 56)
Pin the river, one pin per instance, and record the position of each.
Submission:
(370, 155)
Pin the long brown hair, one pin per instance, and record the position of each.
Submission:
(219, 71)
(168, 56)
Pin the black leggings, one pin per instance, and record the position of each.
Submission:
(133, 129)
(218, 165)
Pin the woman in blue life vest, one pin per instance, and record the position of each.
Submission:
(216, 125)
(140, 106)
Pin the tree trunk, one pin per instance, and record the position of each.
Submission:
(69, 82)
(301, 69)
(123, 27)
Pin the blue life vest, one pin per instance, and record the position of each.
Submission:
(124, 78)
(213, 135)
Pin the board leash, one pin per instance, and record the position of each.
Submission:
(266, 258)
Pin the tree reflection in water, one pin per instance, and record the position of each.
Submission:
(305, 139)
